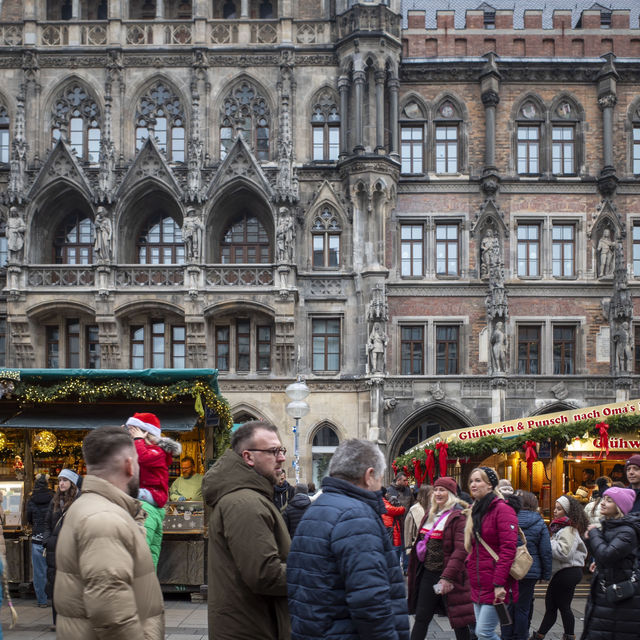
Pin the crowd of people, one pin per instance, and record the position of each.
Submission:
(349, 561)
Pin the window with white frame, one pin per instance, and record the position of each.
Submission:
(563, 250)
(447, 249)
(71, 343)
(4, 135)
(325, 236)
(528, 250)
(73, 242)
(157, 343)
(325, 344)
(447, 137)
(325, 128)
(411, 250)
(431, 347)
(244, 344)
(636, 249)
(635, 141)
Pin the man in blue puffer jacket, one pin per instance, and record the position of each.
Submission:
(343, 577)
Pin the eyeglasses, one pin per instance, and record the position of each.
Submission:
(273, 451)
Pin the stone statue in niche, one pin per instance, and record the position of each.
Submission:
(499, 348)
(285, 236)
(376, 347)
(104, 233)
(606, 254)
(489, 252)
(624, 347)
(192, 230)
(16, 228)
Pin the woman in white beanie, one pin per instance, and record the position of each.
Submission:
(63, 498)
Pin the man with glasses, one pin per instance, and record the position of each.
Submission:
(248, 539)
(189, 485)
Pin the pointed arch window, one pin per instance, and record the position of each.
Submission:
(447, 134)
(160, 242)
(245, 112)
(529, 133)
(325, 234)
(245, 241)
(324, 444)
(635, 151)
(76, 117)
(564, 135)
(325, 127)
(412, 138)
(73, 243)
(160, 113)
(4, 134)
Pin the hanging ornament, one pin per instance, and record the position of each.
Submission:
(3, 440)
(442, 448)
(406, 470)
(45, 441)
(417, 471)
(530, 454)
(430, 464)
(603, 432)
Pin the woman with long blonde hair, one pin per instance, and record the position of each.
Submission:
(491, 524)
(437, 577)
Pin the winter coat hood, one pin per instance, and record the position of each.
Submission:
(231, 473)
(300, 501)
(42, 495)
(632, 518)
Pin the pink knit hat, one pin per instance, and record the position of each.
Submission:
(624, 498)
(145, 421)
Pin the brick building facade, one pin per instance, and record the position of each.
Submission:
(432, 216)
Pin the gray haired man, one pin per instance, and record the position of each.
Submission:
(343, 576)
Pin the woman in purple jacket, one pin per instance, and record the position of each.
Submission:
(493, 521)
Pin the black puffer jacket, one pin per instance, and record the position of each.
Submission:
(295, 510)
(614, 548)
(37, 508)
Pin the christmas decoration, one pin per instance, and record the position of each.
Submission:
(3, 440)
(603, 432)
(531, 454)
(430, 464)
(45, 441)
(442, 448)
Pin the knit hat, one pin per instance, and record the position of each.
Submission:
(42, 482)
(634, 459)
(564, 503)
(448, 483)
(71, 476)
(492, 475)
(624, 498)
(146, 422)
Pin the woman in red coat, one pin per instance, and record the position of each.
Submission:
(496, 522)
(441, 566)
(391, 520)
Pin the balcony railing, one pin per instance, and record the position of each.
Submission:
(149, 275)
(60, 276)
(239, 276)
(10, 35)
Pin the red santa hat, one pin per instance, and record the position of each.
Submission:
(145, 421)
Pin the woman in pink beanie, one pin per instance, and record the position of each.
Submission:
(614, 547)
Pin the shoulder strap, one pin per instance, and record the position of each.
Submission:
(524, 538)
(492, 553)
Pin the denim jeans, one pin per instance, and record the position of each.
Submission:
(39, 563)
(486, 621)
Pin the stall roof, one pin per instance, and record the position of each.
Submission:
(85, 417)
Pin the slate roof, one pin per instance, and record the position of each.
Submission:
(518, 7)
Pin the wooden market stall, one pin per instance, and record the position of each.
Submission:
(45, 414)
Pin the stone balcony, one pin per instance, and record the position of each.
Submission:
(164, 33)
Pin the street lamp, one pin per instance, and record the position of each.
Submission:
(297, 409)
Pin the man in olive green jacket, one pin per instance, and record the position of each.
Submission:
(248, 539)
(106, 584)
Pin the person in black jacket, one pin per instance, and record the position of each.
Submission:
(283, 492)
(296, 508)
(614, 547)
(65, 494)
(37, 509)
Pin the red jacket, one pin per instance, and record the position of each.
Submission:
(500, 531)
(391, 519)
(459, 607)
(154, 470)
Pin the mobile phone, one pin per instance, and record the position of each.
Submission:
(503, 614)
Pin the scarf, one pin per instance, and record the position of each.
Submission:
(559, 523)
(479, 510)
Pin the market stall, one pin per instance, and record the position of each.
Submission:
(45, 414)
(546, 454)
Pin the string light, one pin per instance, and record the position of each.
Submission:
(45, 441)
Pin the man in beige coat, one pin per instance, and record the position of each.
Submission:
(106, 586)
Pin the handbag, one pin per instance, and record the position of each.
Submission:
(522, 561)
(620, 591)
(421, 546)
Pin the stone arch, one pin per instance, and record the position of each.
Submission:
(249, 409)
(65, 307)
(529, 96)
(145, 306)
(47, 212)
(237, 198)
(320, 425)
(566, 109)
(226, 306)
(554, 406)
(149, 197)
(428, 420)
(318, 95)
(531, 109)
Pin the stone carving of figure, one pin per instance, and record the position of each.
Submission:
(192, 230)
(606, 253)
(285, 236)
(376, 346)
(104, 232)
(624, 348)
(499, 348)
(486, 249)
(15, 234)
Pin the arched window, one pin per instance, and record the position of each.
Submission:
(160, 114)
(529, 137)
(245, 111)
(325, 233)
(412, 138)
(325, 442)
(4, 251)
(161, 242)
(635, 141)
(325, 125)
(447, 137)
(74, 238)
(76, 116)
(565, 136)
(4, 134)
(245, 242)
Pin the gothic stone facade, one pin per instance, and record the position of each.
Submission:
(432, 219)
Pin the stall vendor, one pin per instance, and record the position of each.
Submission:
(189, 485)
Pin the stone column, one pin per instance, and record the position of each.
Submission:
(159, 9)
(607, 102)
(75, 9)
(244, 8)
(490, 100)
(358, 79)
(394, 87)
(380, 78)
(343, 88)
